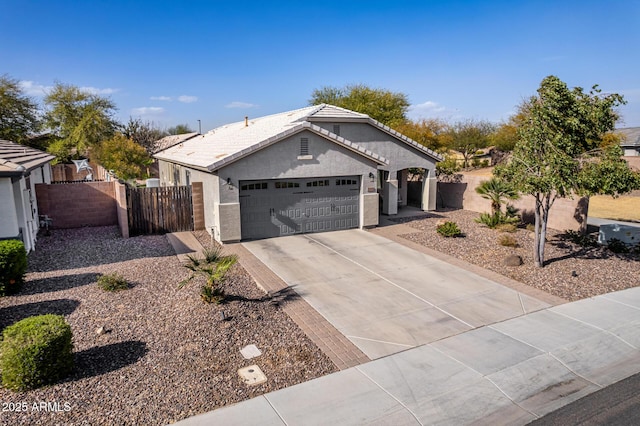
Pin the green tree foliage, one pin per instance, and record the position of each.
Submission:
(144, 133)
(127, 159)
(19, 116)
(180, 129)
(467, 137)
(79, 120)
(387, 107)
(558, 153)
(432, 133)
(505, 135)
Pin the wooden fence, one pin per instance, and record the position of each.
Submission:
(159, 210)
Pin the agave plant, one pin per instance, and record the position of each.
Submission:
(213, 266)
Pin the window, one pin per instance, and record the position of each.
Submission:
(336, 129)
(254, 186)
(346, 182)
(323, 182)
(304, 146)
(283, 185)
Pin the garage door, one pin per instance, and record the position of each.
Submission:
(271, 208)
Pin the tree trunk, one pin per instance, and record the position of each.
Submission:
(536, 239)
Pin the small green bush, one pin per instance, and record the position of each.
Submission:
(498, 218)
(507, 241)
(449, 229)
(36, 351)
(13, 266)
(112, 282)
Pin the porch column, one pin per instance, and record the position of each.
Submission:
(390, 196)
(429, 191)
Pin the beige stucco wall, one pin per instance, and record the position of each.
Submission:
(565, 214)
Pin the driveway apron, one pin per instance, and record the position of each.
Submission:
(383, 296)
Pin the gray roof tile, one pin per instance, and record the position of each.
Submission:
(18, 159)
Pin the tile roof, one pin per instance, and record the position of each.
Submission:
(631, 136)
(171, 140)
(16, 159)
(230, 142)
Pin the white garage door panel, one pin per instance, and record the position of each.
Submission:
(272, 208)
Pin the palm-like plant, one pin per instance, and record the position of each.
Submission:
(498, 191)
(213, 266)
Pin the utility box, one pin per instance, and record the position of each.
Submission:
(625, 233)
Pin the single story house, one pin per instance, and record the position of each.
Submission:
(319, 168)
(630, 141)
(21, 168)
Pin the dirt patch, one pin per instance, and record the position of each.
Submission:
(626, 208)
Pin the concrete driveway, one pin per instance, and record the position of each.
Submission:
(383, 296)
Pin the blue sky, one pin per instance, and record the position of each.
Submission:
(217, 61)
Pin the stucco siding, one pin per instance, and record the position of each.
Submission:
(370, 212)
(399, 154)
(280, 161)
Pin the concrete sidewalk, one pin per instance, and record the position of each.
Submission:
(511, 372)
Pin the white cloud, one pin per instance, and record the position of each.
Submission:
(34, 89)
(160, 98)
(187, 99)
(147, 111)
(427, 107)
(97, 91)
(238, 104)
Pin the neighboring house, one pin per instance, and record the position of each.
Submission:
(21, 168)
(314, 169)
(630, 141)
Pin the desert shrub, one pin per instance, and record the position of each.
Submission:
(493, 220)
(507, 227)
(36, 351)
(13, 266)
(581, 239)
(507, 241)
(213, 267)
(449, 229)
(530, 227)
(112, 282)
(617, 246)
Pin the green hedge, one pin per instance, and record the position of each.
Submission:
(36, 351)
(13, 266)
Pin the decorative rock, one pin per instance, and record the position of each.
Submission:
(101, 330)
(512, 260)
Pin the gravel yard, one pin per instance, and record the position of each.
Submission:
(571, 272)
(166, 355)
